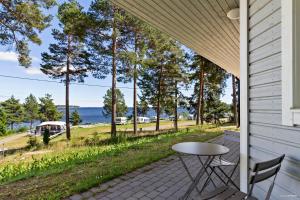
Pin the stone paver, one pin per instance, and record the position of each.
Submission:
(165, 179)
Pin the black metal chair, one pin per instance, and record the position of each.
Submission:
(262, 171)
(220, 162)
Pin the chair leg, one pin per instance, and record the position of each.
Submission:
(214, 171)
(232, 173)
(228, 178)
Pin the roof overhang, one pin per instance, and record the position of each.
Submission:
(201, 25)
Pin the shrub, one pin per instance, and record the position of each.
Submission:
(22, 129)
(2, 129)
(46, 137)
(32, 142)
(2, 123)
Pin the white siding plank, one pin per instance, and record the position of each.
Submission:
(269, 104)
(265, 118)
(265, 24)
(262, 14)
(266, 77)
(266, 64)
(257, 6)
(270, 35)
(270, 90)
(263, 52)
(280, 133)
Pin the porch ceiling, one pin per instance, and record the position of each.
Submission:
(201, 25)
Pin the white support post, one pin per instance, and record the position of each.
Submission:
(244, 92)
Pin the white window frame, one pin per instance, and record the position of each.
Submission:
(290, 90)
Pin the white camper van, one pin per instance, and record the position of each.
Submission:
(54, 127)
(121, 120)
(143, 120)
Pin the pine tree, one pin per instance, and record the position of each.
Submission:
(20, 23)
(68, 59)
(121, 105)
(209, 82)
(48, 111)
(234, 100)
(75, 118)
(177, 78)
(106, 42)
(158, 72)
(217, 111)
(142, 107)
(199, 66)
(215, 84)
(14, 111)
(135, 35)
(31, 107)
(3, 122)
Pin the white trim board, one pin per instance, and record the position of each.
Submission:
(244, 92)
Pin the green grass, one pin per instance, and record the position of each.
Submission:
(61, 173)
(78, 135)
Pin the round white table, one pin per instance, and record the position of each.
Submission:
(199, 149)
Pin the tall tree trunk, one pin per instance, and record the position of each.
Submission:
(135, 87)
(175, 108)
(114, 81)
(68, 132)
(234, 100)
(238, 104)
(202, 93)
(158, 99)
(199, 98)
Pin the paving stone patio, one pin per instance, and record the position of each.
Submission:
(165, 179)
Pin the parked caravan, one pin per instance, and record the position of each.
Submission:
(142, 120)
(121, 120)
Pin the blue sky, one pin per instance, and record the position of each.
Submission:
(79, 95)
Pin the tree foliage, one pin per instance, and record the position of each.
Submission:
(160, 69)
(143, 107)
(68, 59)
(121, 105)
(14, 111)
(69, 55)
(106, 41)
(75, 118)
(3, 122)
(213, 80)
(216, 111)
(20, 23)
(132, 58)
(48, 110)
(31, 108)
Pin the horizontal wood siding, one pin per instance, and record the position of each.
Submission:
(268, 138)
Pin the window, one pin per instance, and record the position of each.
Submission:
(291, 63)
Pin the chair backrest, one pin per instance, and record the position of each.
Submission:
(265, 170)
(231, 136)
